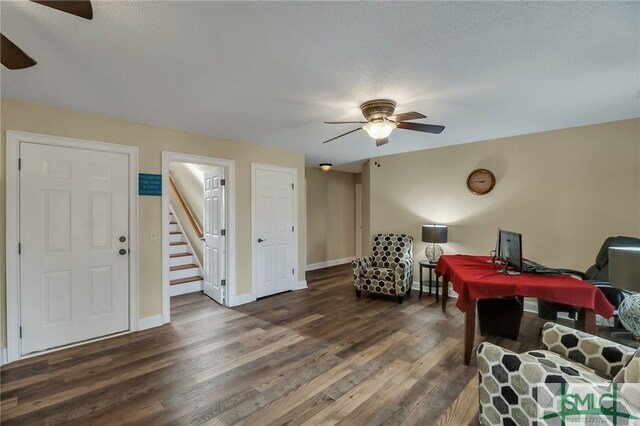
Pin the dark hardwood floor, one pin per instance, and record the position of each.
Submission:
(307, 357)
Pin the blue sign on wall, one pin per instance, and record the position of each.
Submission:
(149, 184)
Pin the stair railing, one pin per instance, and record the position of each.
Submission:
(186, 208)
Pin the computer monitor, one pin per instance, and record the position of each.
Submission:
(510, 250)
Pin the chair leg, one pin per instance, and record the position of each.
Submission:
(358, 292)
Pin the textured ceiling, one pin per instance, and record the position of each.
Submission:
(271, 72)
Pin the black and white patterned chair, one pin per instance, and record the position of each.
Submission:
(515, 387)
(389, 270)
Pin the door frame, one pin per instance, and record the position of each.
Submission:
(358, 193)
(230, 208)
(14, 138)
(297, 284)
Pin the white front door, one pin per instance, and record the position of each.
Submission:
(273, 212)
(214, 242)
(74, 237)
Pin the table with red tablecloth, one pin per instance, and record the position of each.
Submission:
(476, 277)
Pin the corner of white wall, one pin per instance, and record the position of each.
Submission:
(150, 322)
(3, 356)
(241, 299)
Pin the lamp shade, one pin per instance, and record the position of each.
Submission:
(624, 268)
(434, 234)
(379, 129)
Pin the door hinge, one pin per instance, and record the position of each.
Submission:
(293, 271)
(292, 229)
(19, 164)
(223, 283)
(19, 248)
(223, 182)
(21, 332)
(223, 232)
(292, 187)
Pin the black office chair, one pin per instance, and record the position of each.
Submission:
(598, 275)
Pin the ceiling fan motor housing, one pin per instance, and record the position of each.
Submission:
(378, 109)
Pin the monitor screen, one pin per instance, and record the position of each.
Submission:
(510, 249)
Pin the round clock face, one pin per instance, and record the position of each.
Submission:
(481, 181)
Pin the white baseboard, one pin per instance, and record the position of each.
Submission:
(149, 322)
(320, 265)
(425, 289)
(300, 285)
(3, 356)
(241, 299)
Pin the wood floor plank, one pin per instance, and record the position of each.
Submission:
(315, 356)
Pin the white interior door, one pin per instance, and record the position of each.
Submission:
(214, 244)
(74, 236)
(273, 212)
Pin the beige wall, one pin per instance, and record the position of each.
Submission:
(565, 191)
(330, 215)
(152, 141)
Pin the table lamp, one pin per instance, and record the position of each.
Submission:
(434, 234)
(624, 273)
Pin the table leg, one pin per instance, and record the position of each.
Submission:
(430, 281)
(445, 294)
(590, 321)
(420, 282)
(469, 331)
(437, 285)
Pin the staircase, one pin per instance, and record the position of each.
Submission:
(185, 273)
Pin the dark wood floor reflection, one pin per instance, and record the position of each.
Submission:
(311, 356)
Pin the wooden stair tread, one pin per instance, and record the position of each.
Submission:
(180, 243)
(181, 267)
(180, 254)
(185, 280)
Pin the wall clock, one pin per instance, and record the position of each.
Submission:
(481, 181)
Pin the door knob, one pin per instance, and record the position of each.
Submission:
(122, 252)
(261, 240)
(122, 239)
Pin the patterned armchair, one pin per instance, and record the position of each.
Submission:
(516, 388)
(389, 270)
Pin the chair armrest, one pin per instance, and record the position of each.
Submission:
(358, 265)
(614, 295)
(601, 355)
(502, 372)
(403, 275)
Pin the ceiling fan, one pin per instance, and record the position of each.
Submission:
(15, 58)
(381, 121)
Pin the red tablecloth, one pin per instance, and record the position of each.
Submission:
(475, 277)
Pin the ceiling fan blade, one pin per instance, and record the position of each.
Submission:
(383, 141)
(407, 116)
(81, 8)
(345, 122)
(13, 57)
(428, 128)
(344, 134)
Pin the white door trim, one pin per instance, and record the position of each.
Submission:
(254, 236)
(358, 190)
(230, 174)
(13, 216)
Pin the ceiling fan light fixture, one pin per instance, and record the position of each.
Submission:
(325, 167)
(379, 129)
